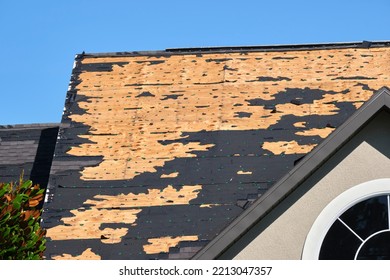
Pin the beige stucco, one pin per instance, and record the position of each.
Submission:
(282, 233)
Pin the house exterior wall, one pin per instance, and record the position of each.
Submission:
(282, 233)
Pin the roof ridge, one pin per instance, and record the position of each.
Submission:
(233, 49)
(26, 126)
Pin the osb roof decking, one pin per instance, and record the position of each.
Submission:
(158, 152)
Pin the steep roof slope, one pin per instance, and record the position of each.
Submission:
(27, 149)
(159, 151)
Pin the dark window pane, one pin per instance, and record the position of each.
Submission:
(376, 248)
(339, 243)
(367, 217)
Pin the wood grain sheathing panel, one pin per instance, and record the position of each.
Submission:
(209, 205)
(164, 218)
(162, 244)
(227, 125)
(87, 222)
(322, 132)
(86, 255)
(242, 172)
(284, 147)
(213, 80)
(167, 196)
(171, 175)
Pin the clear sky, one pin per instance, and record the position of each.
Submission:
(39, 39)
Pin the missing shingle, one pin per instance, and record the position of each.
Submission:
(242, 115)
(146, 94)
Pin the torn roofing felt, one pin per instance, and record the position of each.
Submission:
(160, 151)
(28, 150)
(307, 166)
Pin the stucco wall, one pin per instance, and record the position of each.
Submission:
(282, 233)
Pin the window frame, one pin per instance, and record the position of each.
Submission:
(336, 208)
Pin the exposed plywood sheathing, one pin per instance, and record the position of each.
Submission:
(86, 255)
(87, 223)
(300, 124)
(171, 175)
(285, 147)
(322, 132)
(124, 160)
(242, 172)
(154, 197)
(162, 244)
(127, 130)
(209, 205)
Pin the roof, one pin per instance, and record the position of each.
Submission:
(159, 151)
(28, 149)
(240, 49)
(307, 166)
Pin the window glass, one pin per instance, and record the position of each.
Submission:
(339, 236)
(376, 248)
(361, 232)
(367, 217)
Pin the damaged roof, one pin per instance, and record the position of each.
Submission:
(158, 152)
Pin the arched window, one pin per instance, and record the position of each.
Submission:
(355, 225)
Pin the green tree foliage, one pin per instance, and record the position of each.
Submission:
(21, 237)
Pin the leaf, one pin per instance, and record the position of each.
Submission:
(3, 191)
(5, 218)
(26, 184)
(21, 236)
(33, 202)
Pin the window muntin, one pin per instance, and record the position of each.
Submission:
(360, 232)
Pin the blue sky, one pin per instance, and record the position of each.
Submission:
(39, 39)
